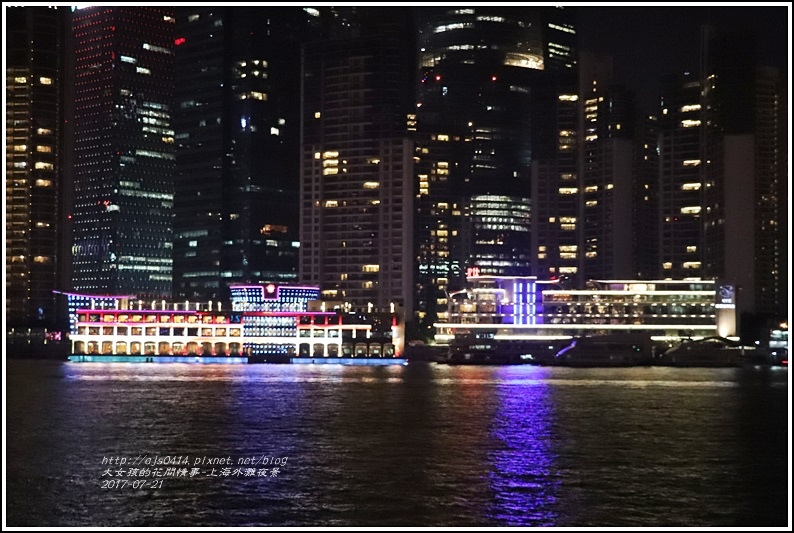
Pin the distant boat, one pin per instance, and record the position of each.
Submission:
(706, 352)
(607, 351)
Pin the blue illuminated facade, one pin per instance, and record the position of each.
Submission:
(272, 297)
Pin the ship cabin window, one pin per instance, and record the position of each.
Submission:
(137, 331)
(220, 332)
(234, 332)
(165, 318)
(123, 318)
(93, 318)
(151, 318)
(192, 319)
(107, 330)
(206, 332)
(108, 318)
(151, 332)
(164, 332)
(179, 319)
(220, 319)
(137, 318)
(121, 330)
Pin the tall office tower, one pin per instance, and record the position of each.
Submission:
(608, 170)
(237, 123)
(746, 142)
(123, 160)
(477, 125)
(357, 166)
(646, 200)
(722, 175)
(33, 115)
(772, 146)
(682, 173)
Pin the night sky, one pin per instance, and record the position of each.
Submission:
(649, 41)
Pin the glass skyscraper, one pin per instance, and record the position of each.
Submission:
(123, 159)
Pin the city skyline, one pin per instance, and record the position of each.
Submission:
(583, 21)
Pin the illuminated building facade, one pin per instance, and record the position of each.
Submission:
(356, 169)
(34, 41)
(479, 123)
(123, 160)
(237, 123)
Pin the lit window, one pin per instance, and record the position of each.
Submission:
(43, 183)
(370, 268)
(20, 79)
(691, 210)
(128, 59)
(142, 70)
(317, 114)
(691, 162)
(45, 81)
(44, 149)
(20, 147)
(331, 203)
(371, 184)
(692, 264)
(690, 123)
(690, 186)
(44, 131)
(667, 266)
(568, 190)
(43, 166)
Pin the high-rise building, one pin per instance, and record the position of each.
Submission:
(357, 166)
(486, 78)
(607, 170)
(237, 123)
(34, 43)
(123, 159)
(682, 176)
(722, 175)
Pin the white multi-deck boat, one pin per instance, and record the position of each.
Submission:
(267, 323)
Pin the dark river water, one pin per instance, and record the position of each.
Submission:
(416, 445)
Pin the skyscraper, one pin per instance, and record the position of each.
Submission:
(123, 161)
(34, 43)
(722, 175)
(237, 122)
(357, 166)
(484, 72)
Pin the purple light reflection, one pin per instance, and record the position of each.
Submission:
(524, 481)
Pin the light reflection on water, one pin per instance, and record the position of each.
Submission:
(416, 445)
